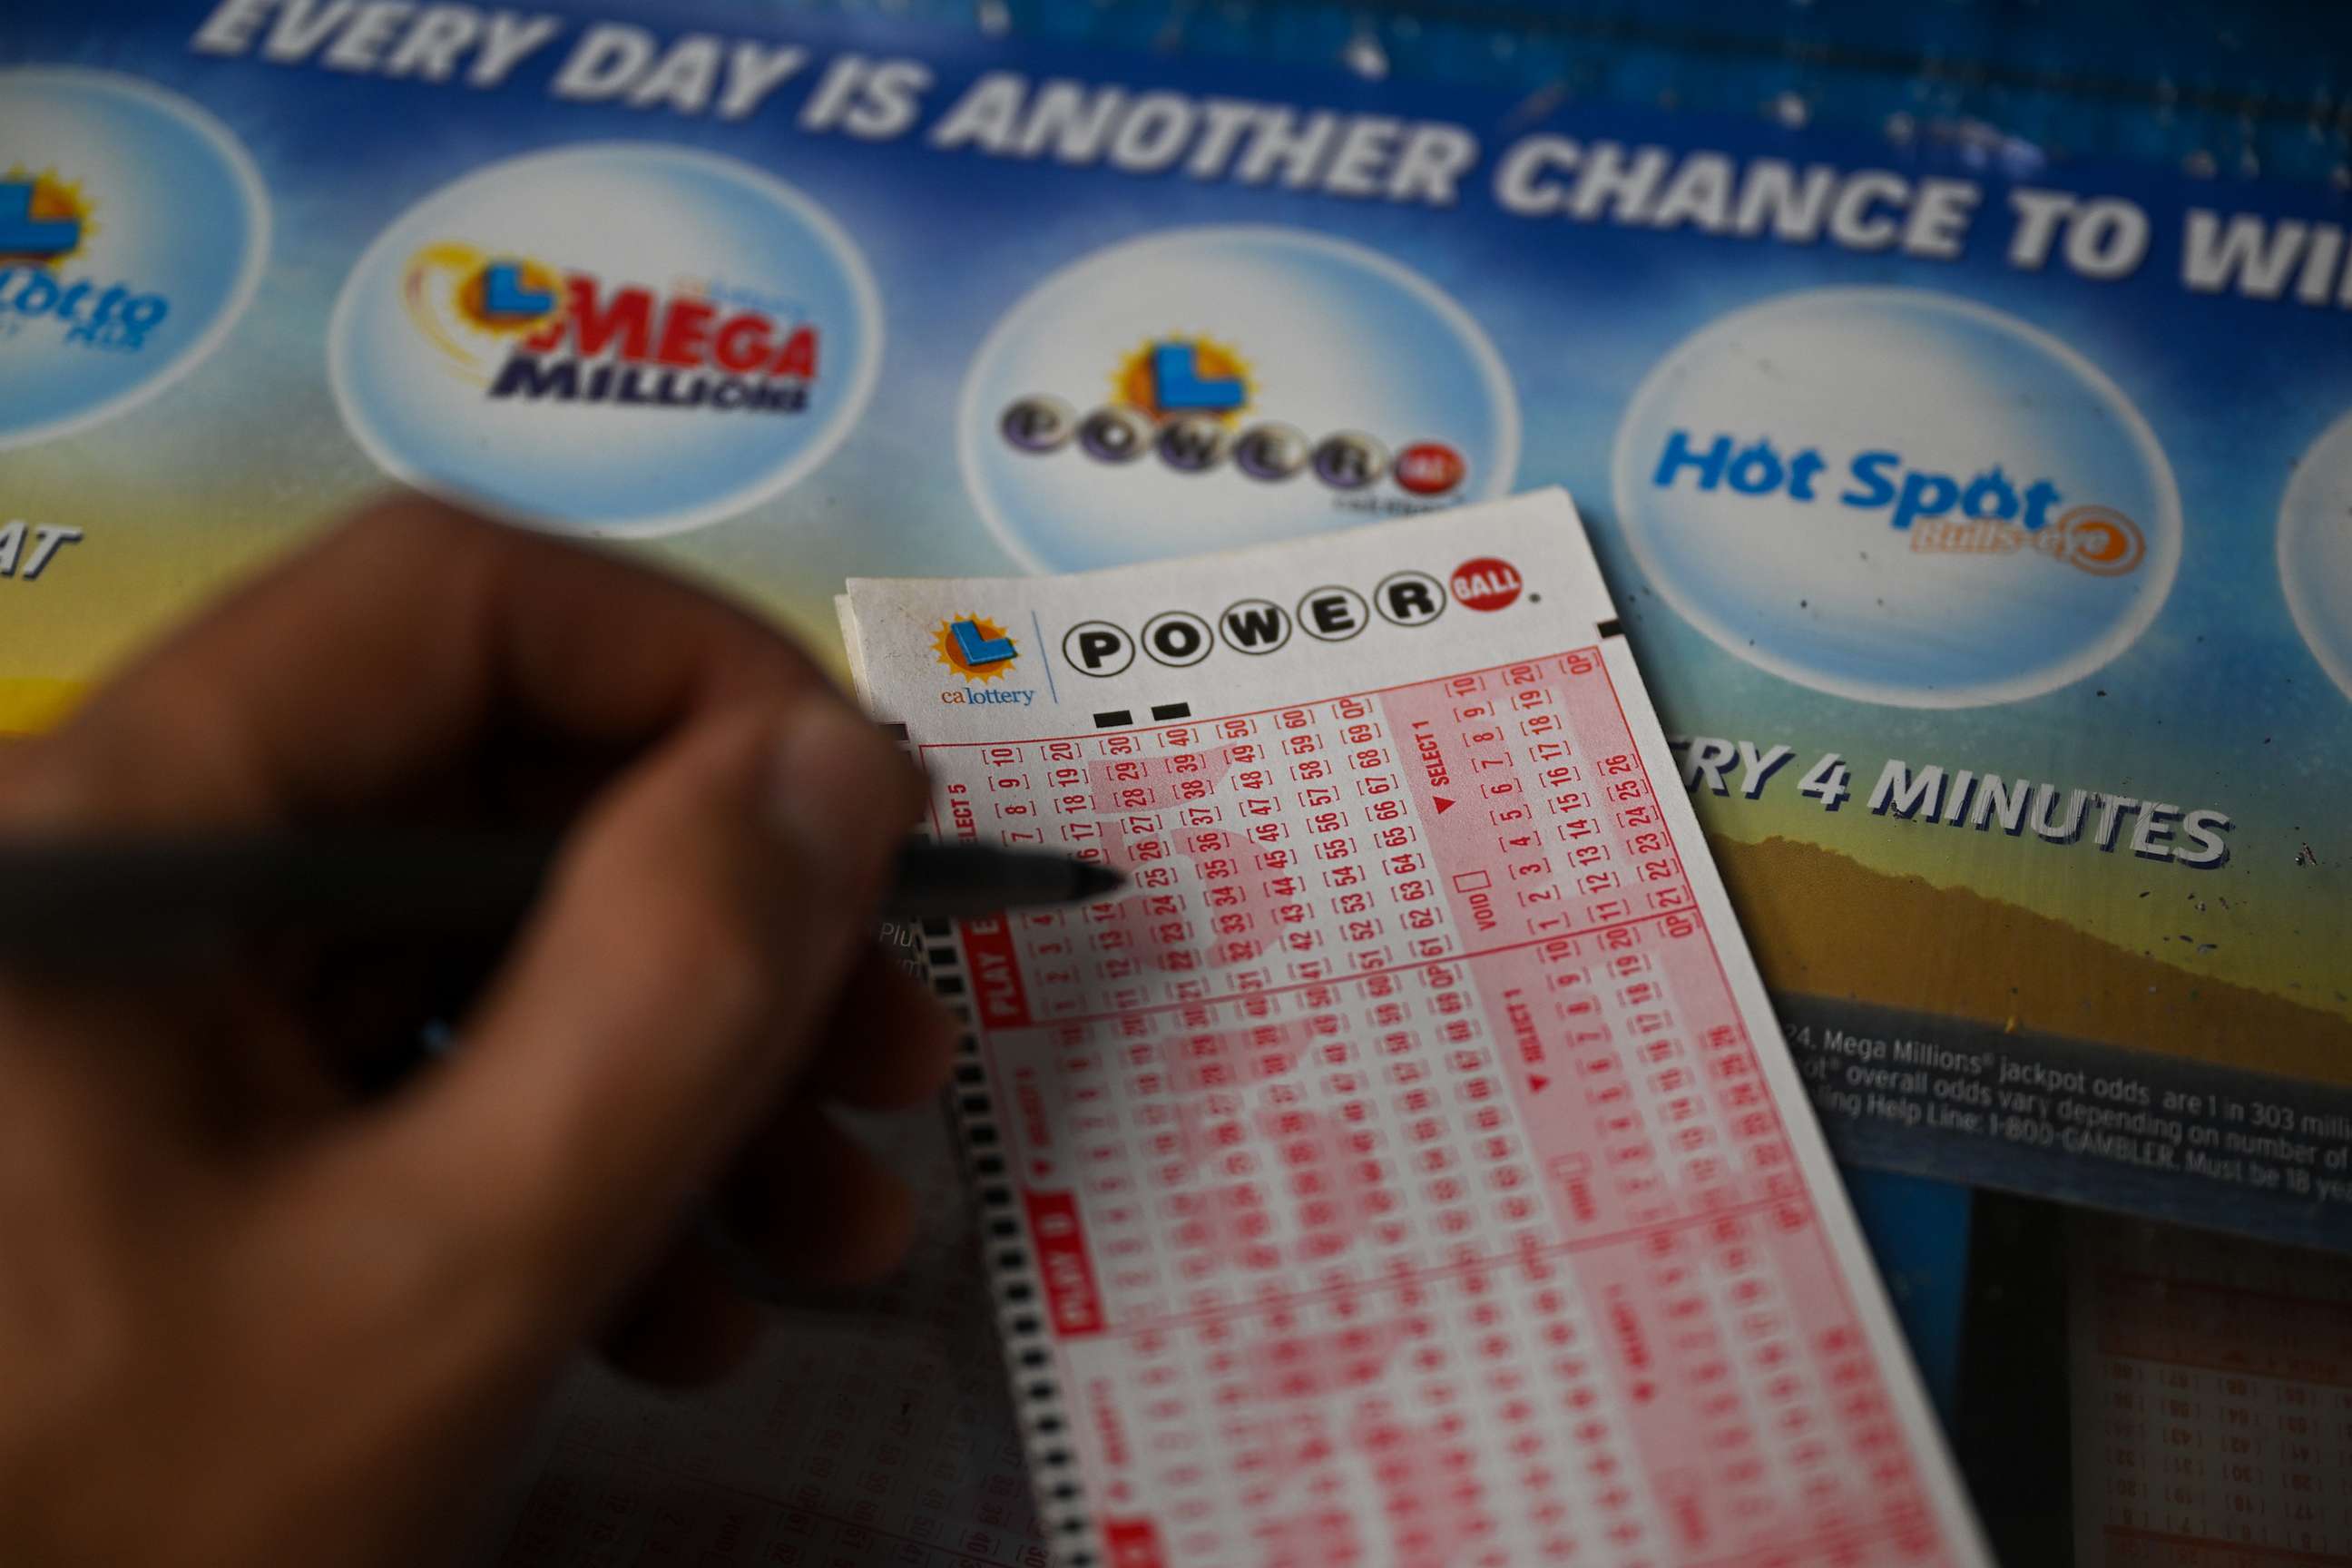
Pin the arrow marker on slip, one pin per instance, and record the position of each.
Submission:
(1443, 805)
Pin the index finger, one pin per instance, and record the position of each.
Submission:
(391, 649)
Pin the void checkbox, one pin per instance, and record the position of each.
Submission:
(1473, 882)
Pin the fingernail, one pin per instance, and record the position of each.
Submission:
(837, 792)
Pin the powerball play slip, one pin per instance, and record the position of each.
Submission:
(1406, 1168)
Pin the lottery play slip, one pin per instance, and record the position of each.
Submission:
(1405, 1169)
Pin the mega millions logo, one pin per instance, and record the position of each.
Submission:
(531, 330)
(46, 222)
(1191, 399)
(617, 339)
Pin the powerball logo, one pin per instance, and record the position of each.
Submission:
(1210, 388)
(531, 332)
(1333, 612)
(1984, 512)
(1189, 398)
(45, 223)
(981, 651)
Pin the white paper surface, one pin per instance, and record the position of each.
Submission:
(1407, 1168)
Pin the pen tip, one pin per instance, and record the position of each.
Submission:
(1095, 881)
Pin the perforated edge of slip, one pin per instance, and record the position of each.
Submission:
(1018, 1290)
(1039, 1403)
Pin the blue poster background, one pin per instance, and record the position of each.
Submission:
(2041, 963)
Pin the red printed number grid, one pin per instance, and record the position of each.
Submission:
(1401, 1179)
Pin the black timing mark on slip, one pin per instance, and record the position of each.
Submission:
(1165, 711)
(1611, 627)
(947, 978)
(1114, 718)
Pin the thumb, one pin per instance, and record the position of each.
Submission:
(680, 968)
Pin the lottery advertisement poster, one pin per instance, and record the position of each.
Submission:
(1981, 522)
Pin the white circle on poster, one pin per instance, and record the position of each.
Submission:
(626, 338)
(1219, 387)
(2315, 551)
(133, 232)
(1897, 496)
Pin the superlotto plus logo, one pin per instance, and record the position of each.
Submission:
(1216, 387)
(45, 222)
(132, 231)
(624, 339)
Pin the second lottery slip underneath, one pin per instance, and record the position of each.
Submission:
(1406, 1168)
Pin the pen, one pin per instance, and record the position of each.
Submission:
(109, 903)
(110, 907)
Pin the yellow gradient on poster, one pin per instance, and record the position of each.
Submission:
(27, 707)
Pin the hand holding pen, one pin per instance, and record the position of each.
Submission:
(250, 1315)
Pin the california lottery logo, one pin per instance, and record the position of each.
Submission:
(981, 651)
(1987, 513)
(1188, 397)
(523, 329)
(43, 220)
(45, 223)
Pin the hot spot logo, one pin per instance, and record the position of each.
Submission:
(615, 338)
(1897, 496)
(1216, 387)
(1985, 513)
(132, 230)
(980, 651)
(1486, 582)
(523, 329)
